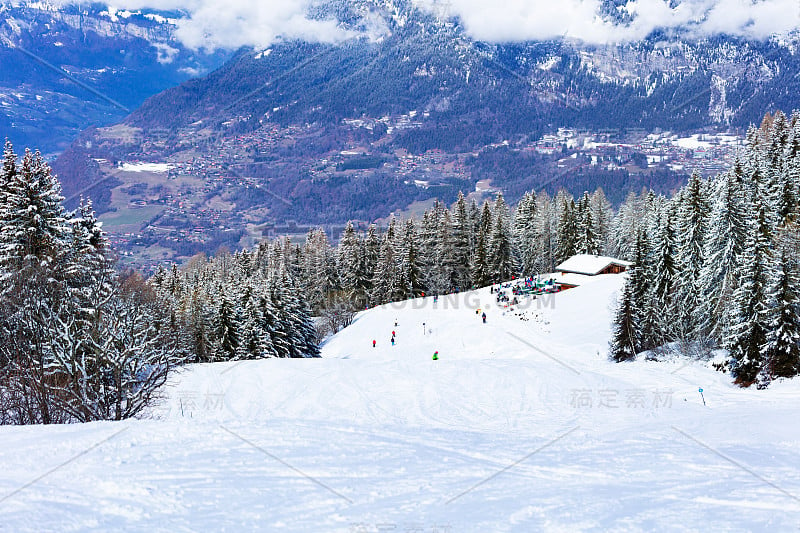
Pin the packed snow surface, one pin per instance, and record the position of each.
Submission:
(521, 425)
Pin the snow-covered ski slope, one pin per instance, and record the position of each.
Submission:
(521, 425)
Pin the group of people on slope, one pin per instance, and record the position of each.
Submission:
(375, 343)
(394, 333)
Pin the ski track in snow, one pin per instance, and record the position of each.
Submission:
(495, 436)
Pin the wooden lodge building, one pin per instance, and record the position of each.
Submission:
(580, 268)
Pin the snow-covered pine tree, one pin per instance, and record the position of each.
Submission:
(781, 350)
(293, 259)
(727, 233)
(502, 264)
(275, 315)
(750, 319)
(256, 341)
(460, 245)
(587, 240)
(34, 232)
(777, 142)
(159, 278)
(351, 263)
(411, 285)
(486, 218)
(640, 278)
(692, 213)
(626, 226)
(567, 228)
(447, 270)
(227, 328)
(664, 271)
(602, 216)
(545, 235)
(474, 215)
(524, 232)
(7, 174)
(386, 281)
(88, 269)
(372, 250)
(319, 273)
(296, 319)
(480, 261)
(428, 247)
(200, 322)
(625, 328)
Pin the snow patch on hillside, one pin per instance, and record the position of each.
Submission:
(145, 167)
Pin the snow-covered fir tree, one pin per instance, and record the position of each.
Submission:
(77, 342)
(781, 349)
(411, 283)
(662, 301)
(692, 212)
(353, 266)
(386, 281)
(588, 238)
(479, 263)
(460, 245)
(502, 263)
(525, 234)
(749, 315)
(567, 228)
(727, 233)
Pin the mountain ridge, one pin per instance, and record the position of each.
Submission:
(275, 133)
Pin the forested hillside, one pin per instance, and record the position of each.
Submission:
(717, 264)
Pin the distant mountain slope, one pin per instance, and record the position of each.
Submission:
(414, 109)
(426, 64)
(114, 59)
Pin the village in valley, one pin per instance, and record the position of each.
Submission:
(177, 197)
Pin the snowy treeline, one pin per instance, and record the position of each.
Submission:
(450, 250)
(718, 263)
(77, 342)
(240, 306)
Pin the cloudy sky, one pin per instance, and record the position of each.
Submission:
(234, 23)
(579, 19)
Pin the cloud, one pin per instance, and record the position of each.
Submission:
(756, 20)
(230, 24)
(235, 23)
(523, 20)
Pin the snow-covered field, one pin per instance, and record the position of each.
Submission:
(521, 425)
(145, 167)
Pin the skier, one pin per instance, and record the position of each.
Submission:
(374, 342)
(484, 318)
(435, 356)
(393, 334)
(392, 341)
